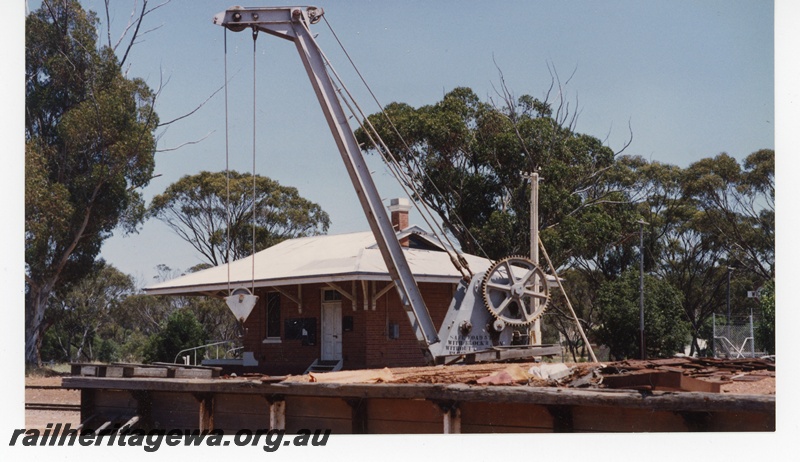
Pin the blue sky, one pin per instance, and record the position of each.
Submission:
(692, 78)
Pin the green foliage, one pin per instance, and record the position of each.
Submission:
(101, 318)
(581, 287)
(666, 330)
(182, 330)
(765, 330)
(107, 350)
(90, 142)
(215, 317)
(139, 318)
(82, 318)
(52, 348)
(738, 207)
(467, 160)
(132, 347)
(195, 208)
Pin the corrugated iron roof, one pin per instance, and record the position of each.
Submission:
(328, 258)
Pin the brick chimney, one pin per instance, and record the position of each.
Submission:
(399, 208)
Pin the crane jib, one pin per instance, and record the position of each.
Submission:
(291, 23)
(488, 315)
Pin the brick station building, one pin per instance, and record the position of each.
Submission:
(330, 300)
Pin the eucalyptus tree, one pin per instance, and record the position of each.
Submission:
(81, 315)
(145, 314)
(467, 160)
(679, 248)
(89, 133)
(217, 213)
(738, 204)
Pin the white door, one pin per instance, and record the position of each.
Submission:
(331, 331)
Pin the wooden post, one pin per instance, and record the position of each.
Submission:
(87, 404)
(535, 331)
(277, 414)
(359, 417)
(206, 410)
(562, 418)
(144, 406)
(452, 421)
(451, 416)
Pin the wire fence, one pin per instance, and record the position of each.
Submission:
(734, 337)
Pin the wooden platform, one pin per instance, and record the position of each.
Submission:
(387, 408)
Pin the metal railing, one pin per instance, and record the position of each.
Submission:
(229, 353)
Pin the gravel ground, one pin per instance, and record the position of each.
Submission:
(765, 386)
(38, 418)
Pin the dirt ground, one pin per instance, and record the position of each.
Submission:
(39, 419)
(765, 386)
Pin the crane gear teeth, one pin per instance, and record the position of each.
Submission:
(515, 291)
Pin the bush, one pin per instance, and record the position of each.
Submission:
(666, 330)
(134, 348)
(765, 330)
(107, 350)
(181, 331)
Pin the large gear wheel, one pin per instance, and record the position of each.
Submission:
(515, 291)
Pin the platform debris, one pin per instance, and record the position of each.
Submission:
(679, 394)
(673, 374)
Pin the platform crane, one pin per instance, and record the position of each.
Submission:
(486, 312)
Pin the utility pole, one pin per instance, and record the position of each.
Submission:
(729, 297)
(535, 217)
(642, 349)
(536, 331)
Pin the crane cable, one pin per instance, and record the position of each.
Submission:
(348, 99)
(458, 260)
(228, 244)
(253, 241)
(227, 171)
(407, 147)
(383, 149)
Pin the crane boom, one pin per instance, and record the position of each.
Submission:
(291, 23)
(486, 313)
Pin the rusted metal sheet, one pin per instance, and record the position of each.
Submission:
(683, 374)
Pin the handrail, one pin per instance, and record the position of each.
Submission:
(185, 350)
